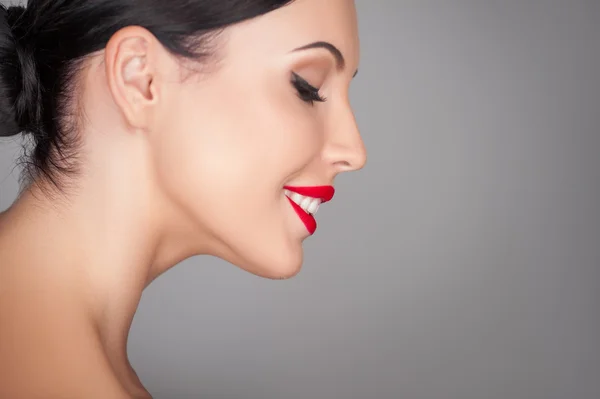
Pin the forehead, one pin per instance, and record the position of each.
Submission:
(299, 23)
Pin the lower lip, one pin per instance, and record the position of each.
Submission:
(308, 220)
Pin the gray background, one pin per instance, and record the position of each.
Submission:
(462, 262)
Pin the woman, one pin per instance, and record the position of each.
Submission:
(160, 130)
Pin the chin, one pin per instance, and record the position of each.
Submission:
(274, 266)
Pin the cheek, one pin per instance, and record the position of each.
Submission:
(242, 140)
(224, 160)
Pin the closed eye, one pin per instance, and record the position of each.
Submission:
(307, 92)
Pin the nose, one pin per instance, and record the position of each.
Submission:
(344, 148)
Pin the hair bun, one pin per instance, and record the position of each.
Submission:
(20, 93)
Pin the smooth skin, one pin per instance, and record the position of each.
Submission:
(177, 160)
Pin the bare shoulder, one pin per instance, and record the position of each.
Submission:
(40, 357)
(33, 380)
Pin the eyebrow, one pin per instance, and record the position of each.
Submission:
(337, 54)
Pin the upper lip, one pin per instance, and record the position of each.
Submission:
(324, 193)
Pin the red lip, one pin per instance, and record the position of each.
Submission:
(308, 220)
(324, 193)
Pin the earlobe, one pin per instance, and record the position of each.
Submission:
(130, 74)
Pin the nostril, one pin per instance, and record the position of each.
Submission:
(343, 164)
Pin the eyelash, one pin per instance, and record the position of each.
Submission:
(307, 92)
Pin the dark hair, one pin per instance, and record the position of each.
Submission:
(43, 44)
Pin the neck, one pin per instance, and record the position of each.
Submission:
(104, 243)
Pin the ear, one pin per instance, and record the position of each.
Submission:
(131, 68)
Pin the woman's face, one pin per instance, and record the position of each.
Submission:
(243, 135)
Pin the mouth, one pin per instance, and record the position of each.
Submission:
(306, 201)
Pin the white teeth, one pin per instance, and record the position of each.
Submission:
(308, 204)
(305, 203)
(314, 205)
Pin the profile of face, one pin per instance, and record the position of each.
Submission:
(245, 152)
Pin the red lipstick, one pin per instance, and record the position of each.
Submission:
(323, 193)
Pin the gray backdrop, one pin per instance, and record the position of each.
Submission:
(462, 263)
